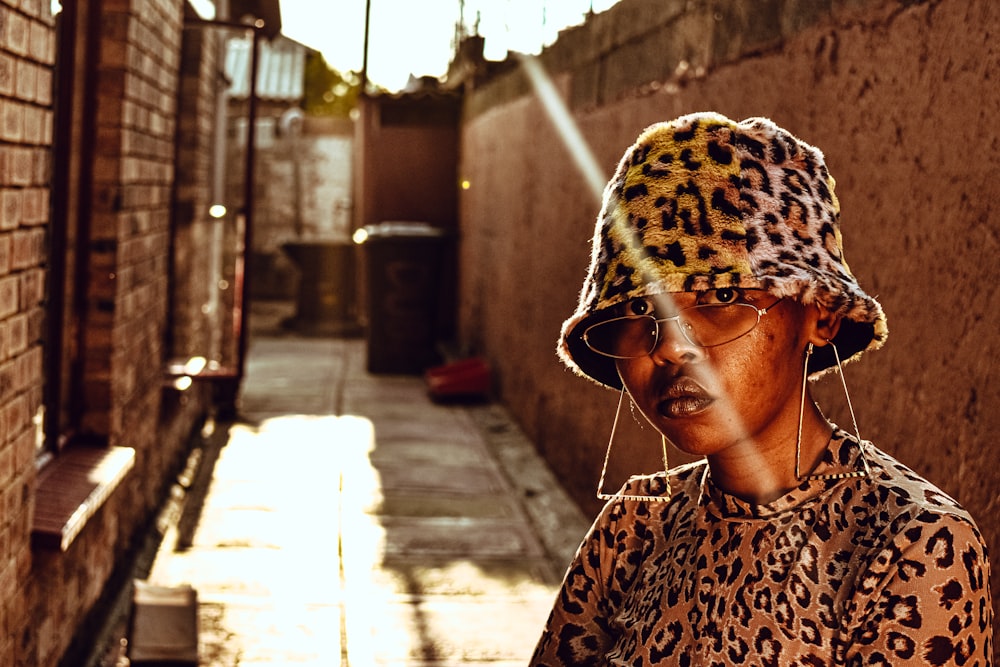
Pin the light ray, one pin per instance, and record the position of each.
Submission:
(595, 180)
(577, 146)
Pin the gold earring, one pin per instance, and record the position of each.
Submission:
(607, 455)
(854, 421)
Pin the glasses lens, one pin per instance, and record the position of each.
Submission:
(705, 325)
(622, 337)
(708, 325)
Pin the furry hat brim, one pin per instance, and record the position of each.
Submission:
(703, 202)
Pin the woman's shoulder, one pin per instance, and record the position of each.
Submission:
(910, 506)
(895, 484)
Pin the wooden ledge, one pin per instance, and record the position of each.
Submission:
(72, 488)
(181, 373)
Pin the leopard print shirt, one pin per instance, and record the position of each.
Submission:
(877, 570)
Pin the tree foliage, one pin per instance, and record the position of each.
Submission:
(327, 91)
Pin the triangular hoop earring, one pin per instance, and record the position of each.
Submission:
(802, 409)
(607, 455)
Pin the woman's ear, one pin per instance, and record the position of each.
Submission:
(825, 326)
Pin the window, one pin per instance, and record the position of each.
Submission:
(70, 203)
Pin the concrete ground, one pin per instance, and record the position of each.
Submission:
(346, 519)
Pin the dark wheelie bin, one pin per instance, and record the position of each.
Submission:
(403, 274)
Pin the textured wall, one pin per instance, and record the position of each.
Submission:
(408, 172)
(26, 57)
(136, 78)
(899, 95)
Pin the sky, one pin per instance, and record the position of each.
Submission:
(408, 36)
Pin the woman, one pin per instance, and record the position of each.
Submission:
(717, 287)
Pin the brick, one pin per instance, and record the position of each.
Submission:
(26, 80)
(103, 224)
(29, 370)
(97, 341)
(8, 384)
(22, 377)
(114, 53)
(28, 248)
(32, 287)
(6, 471)
(32, 8)
(41, 160)
(5, 258)
(17, 416)
(8, 578)
(8, 296)
(47, 136)
(7, 66)
(18, 168)
(30, 443)
(12, 120)
(10, 208)
(43, 92)
(37, 320)
(130, 170)
(34, 124)
(17, 327)
(40, 43)
(110, 112)
(107, 169)
(112, 84)
(16, 34)
(35, 202)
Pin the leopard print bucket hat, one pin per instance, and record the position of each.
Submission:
(704, 202)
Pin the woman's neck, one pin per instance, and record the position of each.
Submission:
(762, 470)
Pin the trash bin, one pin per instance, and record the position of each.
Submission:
(325, 297)
(403, 263)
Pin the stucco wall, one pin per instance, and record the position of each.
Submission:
(901, 98)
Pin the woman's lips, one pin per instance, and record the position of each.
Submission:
(684, 398)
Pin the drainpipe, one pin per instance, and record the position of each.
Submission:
(230, 379)
(248, 208)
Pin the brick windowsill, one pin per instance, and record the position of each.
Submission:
(72, 488)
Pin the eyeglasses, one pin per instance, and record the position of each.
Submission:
(704, 325)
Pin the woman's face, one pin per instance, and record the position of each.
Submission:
(709, 399)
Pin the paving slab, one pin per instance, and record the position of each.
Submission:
(399, 503)
(351, 521)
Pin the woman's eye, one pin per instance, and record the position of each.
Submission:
(639, 307)
(723, 295)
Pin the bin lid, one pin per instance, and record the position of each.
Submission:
(395, 229)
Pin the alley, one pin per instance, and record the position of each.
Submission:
(349, 520)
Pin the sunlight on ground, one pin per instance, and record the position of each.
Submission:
(296, 562)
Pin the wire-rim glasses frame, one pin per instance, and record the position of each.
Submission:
(702, 325)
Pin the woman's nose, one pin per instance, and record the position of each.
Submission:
(673, 347)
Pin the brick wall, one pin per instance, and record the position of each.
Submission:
(130, 223)
(901, 106)
(26, 58)
(52, 599)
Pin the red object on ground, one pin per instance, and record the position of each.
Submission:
(468, 377)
